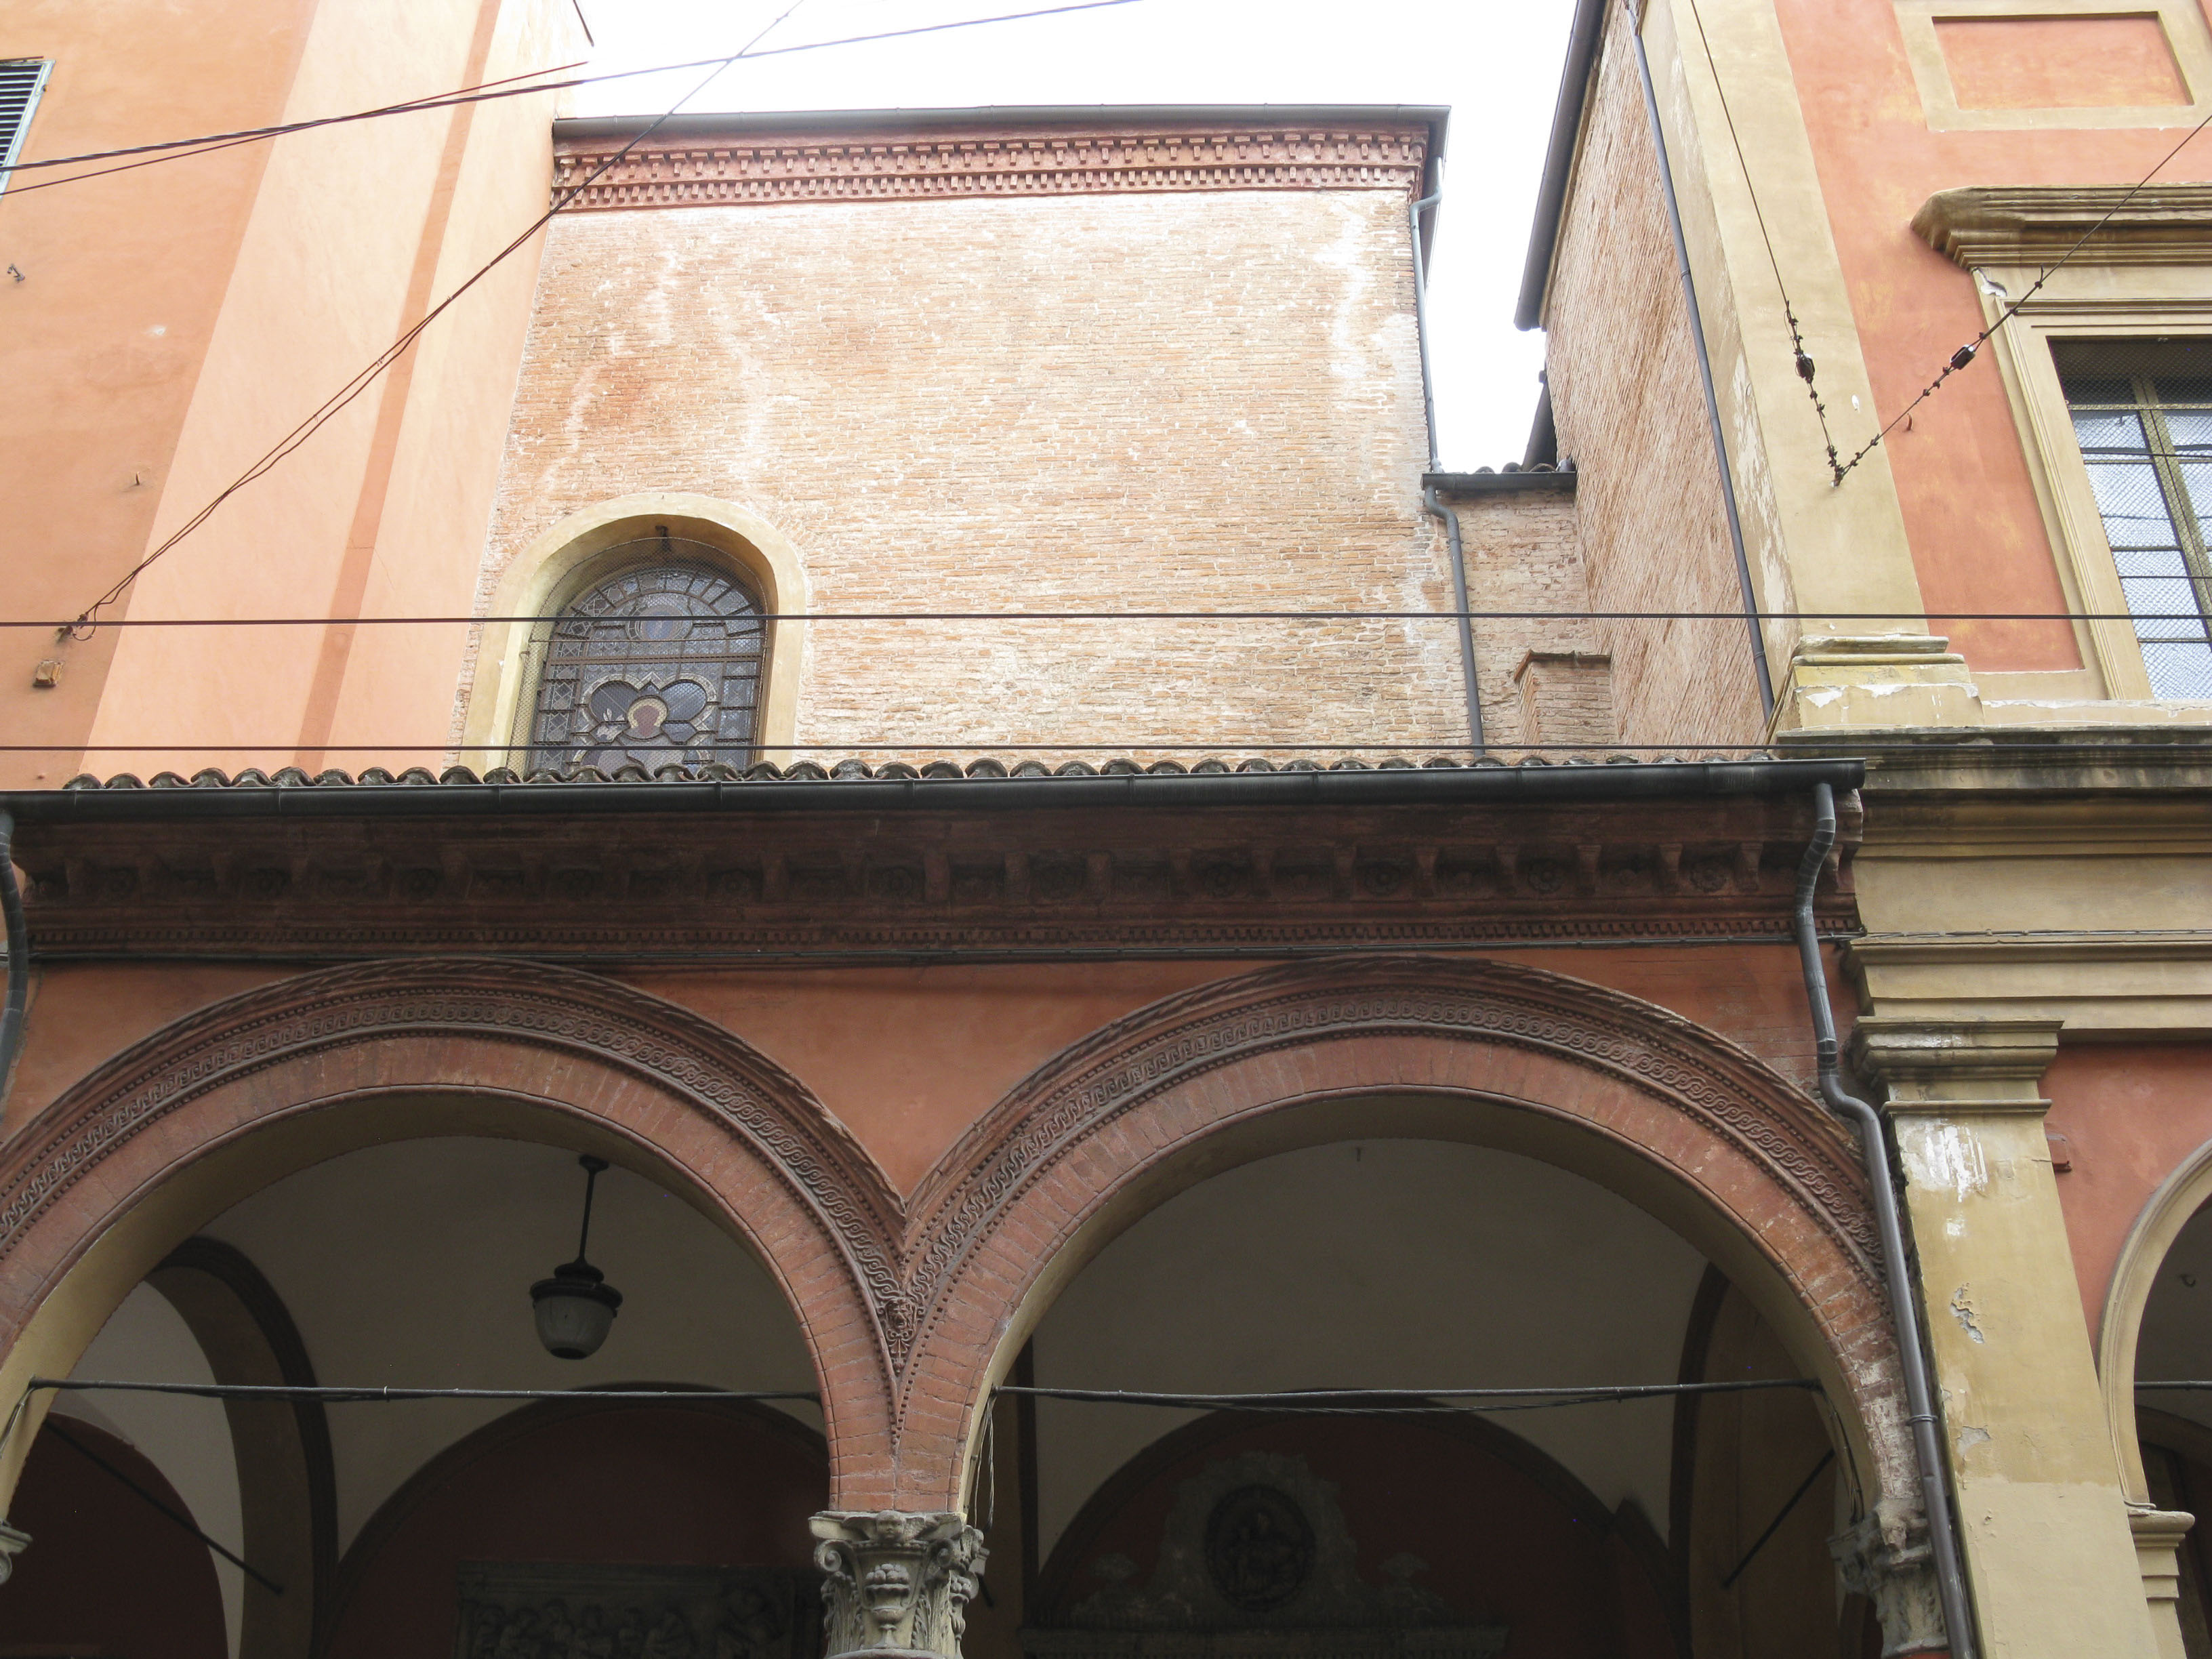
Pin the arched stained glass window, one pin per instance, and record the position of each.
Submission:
(660, 665)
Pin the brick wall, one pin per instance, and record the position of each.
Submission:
(1624, 379)
(1174, 400)
(1524, 552)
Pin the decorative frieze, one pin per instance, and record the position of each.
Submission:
(897, 1583)
(1007, 161)
(848, 884)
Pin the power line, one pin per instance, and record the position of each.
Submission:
(180, 149)
(1965, 354)
(88, 618)
(1980, 744)
(1805, 365)
(1344, 615)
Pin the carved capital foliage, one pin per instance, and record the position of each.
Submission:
(894, 1582)
(14, 1540)
(1886, 1558)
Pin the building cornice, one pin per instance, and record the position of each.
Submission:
(891, 155)
(799, 879)
(2037, 225)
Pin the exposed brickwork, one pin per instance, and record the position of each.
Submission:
(1566, 696)
(1178, 401)
(1523, 552)
(1624, 379)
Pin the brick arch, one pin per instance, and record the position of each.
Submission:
(1680, 1119)
(755, 1147)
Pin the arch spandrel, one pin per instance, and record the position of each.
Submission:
(1697, 1131)
(119, 1168)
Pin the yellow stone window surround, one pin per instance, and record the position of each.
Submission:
(2145, 273)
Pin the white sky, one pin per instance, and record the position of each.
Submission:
(1496, 63)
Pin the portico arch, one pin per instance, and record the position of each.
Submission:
(1696, 1131)
(142, 1152)
(2186, 1191)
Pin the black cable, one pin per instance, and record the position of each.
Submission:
(155, 1504)
(1965, 354)
(359, 1395)
(88, 619)
(1855, 742)
(1805, 365)
(1395, 1402)
(1774, 1525)
(183, 149)
(1348, 615)
(180, 148)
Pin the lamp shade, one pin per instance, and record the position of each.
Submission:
(575, 1309)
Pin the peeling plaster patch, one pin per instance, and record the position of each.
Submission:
(1970, 1436)
(1955, 1227)
(1944, 1155)
(1821, 698)
(1962, 1309)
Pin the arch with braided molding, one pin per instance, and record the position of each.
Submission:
(1701, 1133)
(145, 1151)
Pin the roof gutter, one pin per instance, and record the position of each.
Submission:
(1406, 786)
(1583, 36)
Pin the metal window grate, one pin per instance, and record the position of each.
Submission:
(2142, 414)
(633, 672)
(21, 81)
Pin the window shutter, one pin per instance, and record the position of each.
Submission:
(21, 79)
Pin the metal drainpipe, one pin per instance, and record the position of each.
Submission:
(1431, 501)
(1950, 1579)
(1705, 369)
(19, 955)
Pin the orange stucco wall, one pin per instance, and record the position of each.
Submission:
(906, 1057)
(210, 305)
(124, 277)
(1978, 538)
(2132, 1113)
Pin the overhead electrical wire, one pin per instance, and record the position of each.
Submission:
(1979, 744)
(180, 148)
(88, 619)
(1804, 361)
(1965, 355)
(1346, 615)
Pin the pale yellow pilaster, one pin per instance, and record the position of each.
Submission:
(2049, 1551)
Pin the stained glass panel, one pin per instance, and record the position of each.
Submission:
(658, 664)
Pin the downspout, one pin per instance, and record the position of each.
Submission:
(1434, 503)
(18, 956)
(1950, 1580)
(1705, 369)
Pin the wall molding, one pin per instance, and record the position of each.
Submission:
(992, 163)
(2039, 224)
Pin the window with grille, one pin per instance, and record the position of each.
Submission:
(658, 664)
(22, 80)
(2143, 413)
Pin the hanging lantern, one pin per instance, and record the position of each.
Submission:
(575, 1308)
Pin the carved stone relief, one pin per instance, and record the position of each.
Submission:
(553, 1610)
(897, 1583)
(1256, 1559)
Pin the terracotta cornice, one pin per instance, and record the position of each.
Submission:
(840, 885)
(1005, 160)
(2037, 225)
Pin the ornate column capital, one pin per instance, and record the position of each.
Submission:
(1885, 1557)
(1958, 1065)
(894, 1582)
(14, 1540)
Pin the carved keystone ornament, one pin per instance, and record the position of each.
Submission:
(894, 1582)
